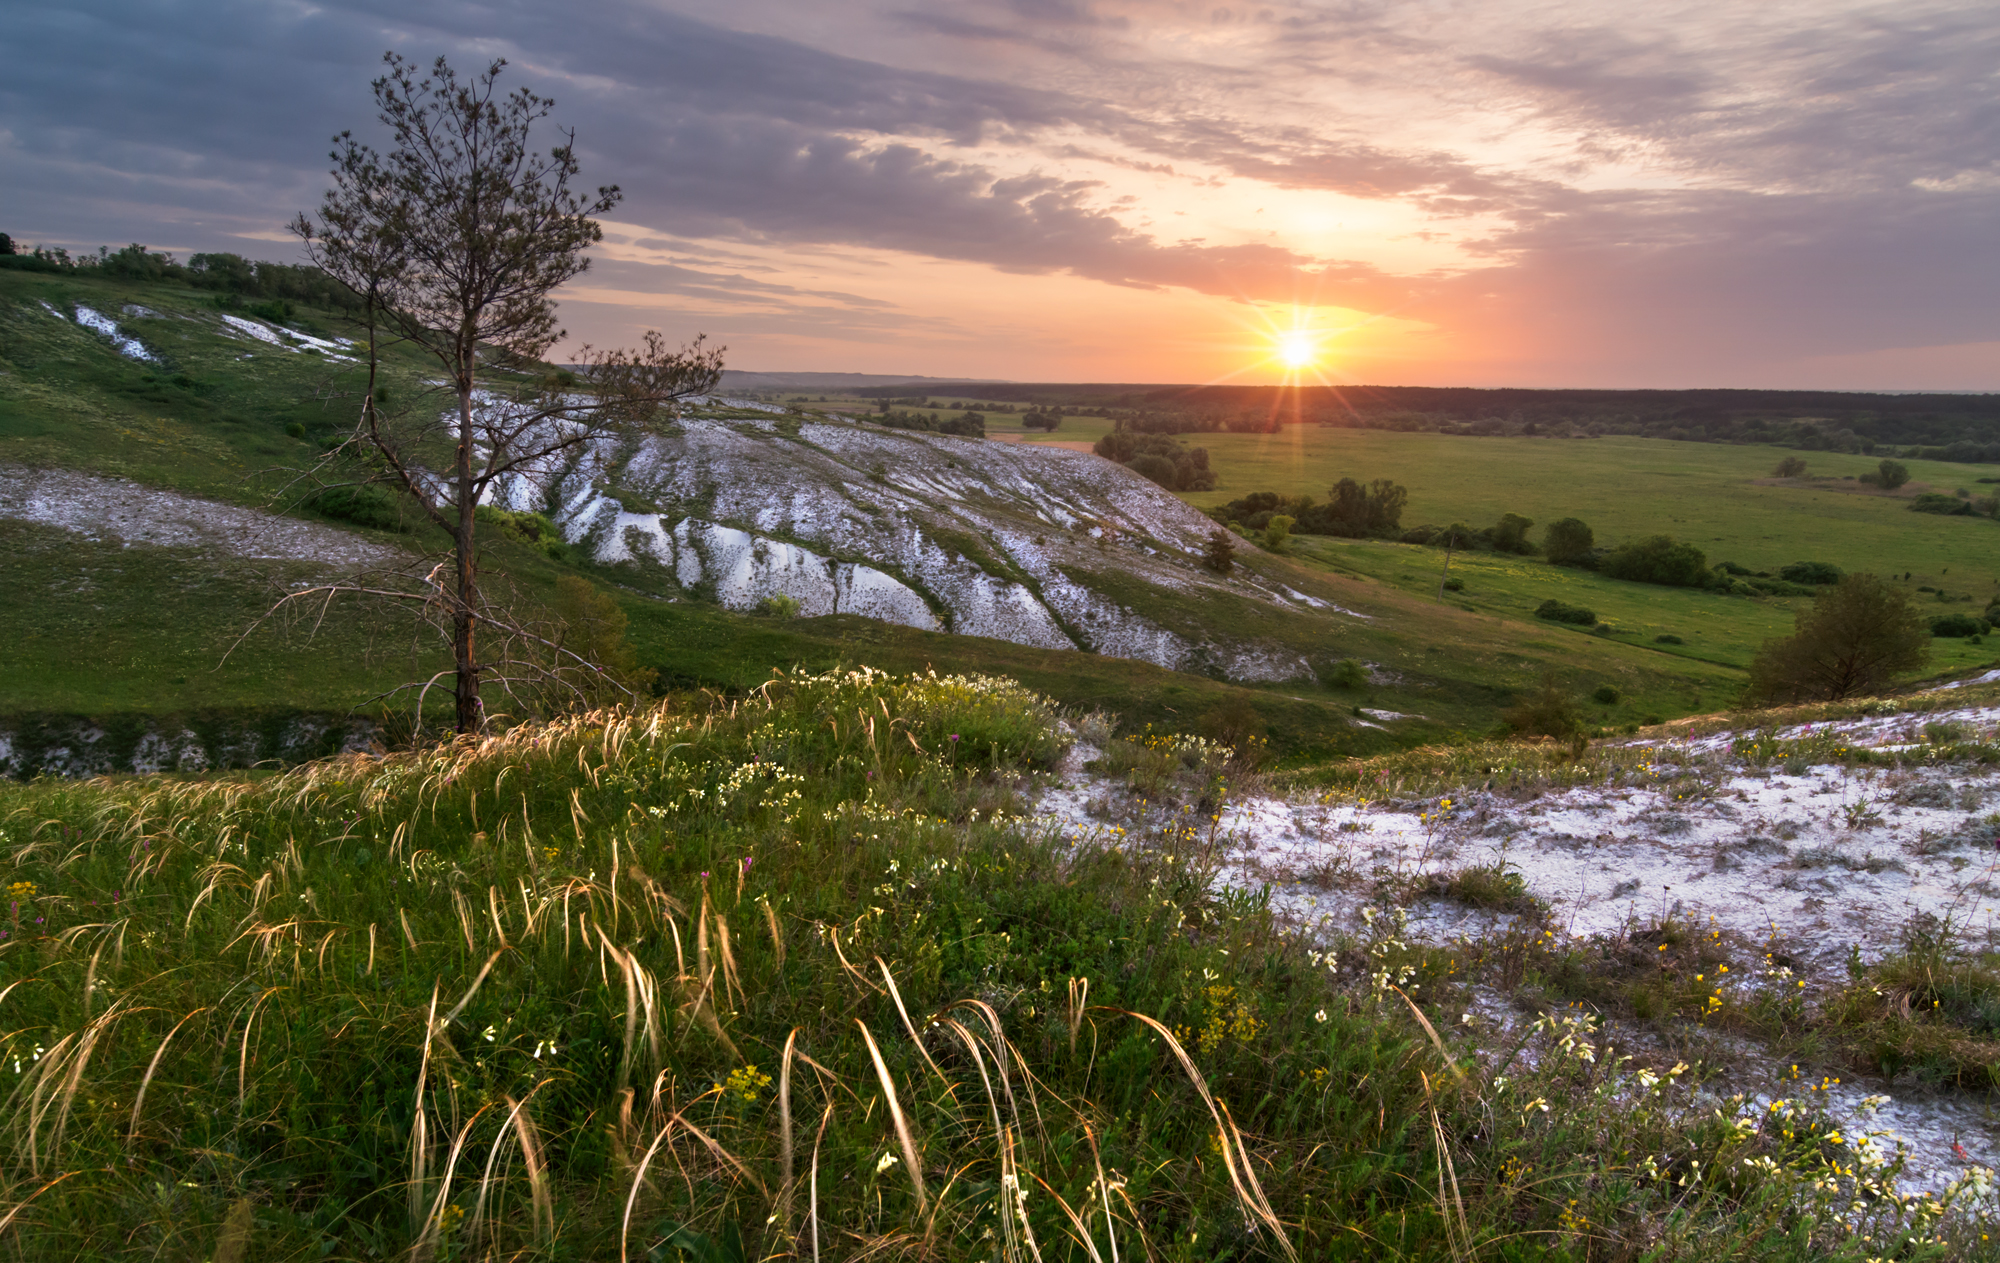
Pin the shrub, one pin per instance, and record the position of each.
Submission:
(1938, 502)
(536, 530)
(1808, 572)
(778, 605)
(370, 506)
(1957, 625)
(1562, 612)
(1278, 534)
(590, 624)
(1491, 886)
(1605, 695)
(1731, 568)
(1891, 474)
(1347, 674)
(1510, 534)
(1658, 559)
(1549, 711)
(1219, 552)
(1236, 724)
(1778, 587)
(1668, 638)
(1454, 584)
(1856, 636)
(1790, 467)
(1568, 542)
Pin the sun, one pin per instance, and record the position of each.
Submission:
(1298, 349)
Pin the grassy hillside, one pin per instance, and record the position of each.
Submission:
(790, 978)
(117, 629)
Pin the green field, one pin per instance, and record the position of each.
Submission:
(1718, 497)
(1714, 627)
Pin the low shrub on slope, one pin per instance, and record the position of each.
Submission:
(786, 978)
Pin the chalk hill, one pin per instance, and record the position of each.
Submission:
(1043, 547)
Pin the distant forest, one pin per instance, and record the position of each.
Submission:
(1918, 426)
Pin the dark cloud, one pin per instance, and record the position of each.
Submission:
(1808, 191)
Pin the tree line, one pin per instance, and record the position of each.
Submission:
(230, 275)
(1964, 428)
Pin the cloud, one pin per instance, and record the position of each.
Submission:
(1685, 190)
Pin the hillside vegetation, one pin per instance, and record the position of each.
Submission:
(227, 402)
(791, 977)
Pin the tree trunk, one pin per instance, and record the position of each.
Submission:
(469, 716)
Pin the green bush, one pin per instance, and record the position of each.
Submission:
(1278, 534)
(370, 506)
(1605, 695)
(1454, 584)
(1942, 504)
(1668, 638)
(1568, 542)
(1549, 711)
(1807, 572)
(1510, 534)
(1778, 587)
(1957, 625)
(1562, 612)
(1347, 674)
(778, 606)
(532, 527)
(1658, 559)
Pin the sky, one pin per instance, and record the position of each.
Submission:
(1748, 193)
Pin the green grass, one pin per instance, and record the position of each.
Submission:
(1714, 627)
(154, 624)
(1715, 496)
(782, 978)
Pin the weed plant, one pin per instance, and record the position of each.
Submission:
(791, 977)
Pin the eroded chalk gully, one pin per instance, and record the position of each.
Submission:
(1821, 861)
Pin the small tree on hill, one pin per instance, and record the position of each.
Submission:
(1568, 542)
(453, 242)
(1278, 534)
(1510, 534)
(1790, 467)
(1219, 552)
(1857, 636)
(1891, 474)
(1549, 711)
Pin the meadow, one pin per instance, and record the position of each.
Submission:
(1713, 627)
(790, 977)
(1720, 498)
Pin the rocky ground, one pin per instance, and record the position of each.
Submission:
(1745, 835)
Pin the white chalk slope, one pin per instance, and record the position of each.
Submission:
(1040, 546)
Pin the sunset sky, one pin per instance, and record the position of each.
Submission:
(1725, 193)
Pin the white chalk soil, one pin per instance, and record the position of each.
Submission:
(1018, 542)
(112, 508)
(1819, 862)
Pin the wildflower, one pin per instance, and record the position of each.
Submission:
(886, 1161)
